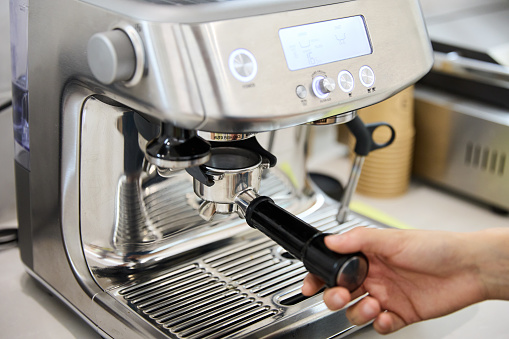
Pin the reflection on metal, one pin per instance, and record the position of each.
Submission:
(463, 145)
(132, 227)
(212, 136)
(335, 120)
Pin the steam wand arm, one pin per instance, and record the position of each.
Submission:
(303, 241)
(364, 145)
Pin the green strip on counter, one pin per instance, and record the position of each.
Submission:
(372, 213)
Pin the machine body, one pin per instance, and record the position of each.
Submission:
(108, 218)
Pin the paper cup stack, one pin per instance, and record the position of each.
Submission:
(386, 172)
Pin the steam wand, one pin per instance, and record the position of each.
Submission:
(364, 145)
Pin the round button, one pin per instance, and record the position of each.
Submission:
(346, 81)
(243, 65)
(301, 91)
(111, 56)
(367, 76)
(322, 86)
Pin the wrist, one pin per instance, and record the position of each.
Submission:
(491, 257)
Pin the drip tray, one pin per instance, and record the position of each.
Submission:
(241, 290)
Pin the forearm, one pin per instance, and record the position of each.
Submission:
(492, 261)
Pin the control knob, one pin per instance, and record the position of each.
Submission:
(327, 85)
(111, 56)
(322, 86)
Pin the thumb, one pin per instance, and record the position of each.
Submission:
(362, 239)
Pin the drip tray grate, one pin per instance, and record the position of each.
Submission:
(227, 291)
(193, 303)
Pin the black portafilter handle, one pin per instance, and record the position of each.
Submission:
(306, 243)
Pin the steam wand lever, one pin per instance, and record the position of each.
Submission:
(364, 145)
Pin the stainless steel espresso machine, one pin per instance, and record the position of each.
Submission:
(160, 156)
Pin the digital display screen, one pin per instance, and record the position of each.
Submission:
(324, 42)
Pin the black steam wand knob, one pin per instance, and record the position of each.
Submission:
(364, 145)
(303, 241)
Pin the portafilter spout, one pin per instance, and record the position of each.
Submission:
(239, 188)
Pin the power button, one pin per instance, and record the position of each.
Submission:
(243, 65)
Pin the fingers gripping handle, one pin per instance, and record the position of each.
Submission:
(345, 270)
(307, 244)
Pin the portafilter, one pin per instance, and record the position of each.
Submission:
(236, 175)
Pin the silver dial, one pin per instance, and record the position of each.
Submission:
(327, 85)
(322, 86)
(111, 56)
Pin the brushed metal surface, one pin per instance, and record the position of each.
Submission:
(7, 187)
(195, 11)
(463, 145)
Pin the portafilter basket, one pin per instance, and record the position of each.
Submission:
(236, 174)
(232, 170)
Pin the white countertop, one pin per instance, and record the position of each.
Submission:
(28, 311)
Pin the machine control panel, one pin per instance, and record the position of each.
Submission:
(316, 45)
(264, 72)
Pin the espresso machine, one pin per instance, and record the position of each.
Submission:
(161, 183)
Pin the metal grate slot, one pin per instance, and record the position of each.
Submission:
(170, 284)
(325, 222)
(277, 288)
(230, 320)
(222, 257)
(280, 282)
(267, 259)
(253, 273)
(477, 156)
(295, 299)
(168, 207)
(178, 314)
(191, 323)
(241, 258)
(485, 159)
(203, 295)
(271, 187)
(186, 286)
(140, 286)
(493, 162)
(264, 276)
(468, 153)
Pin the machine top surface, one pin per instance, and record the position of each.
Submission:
(193, 11)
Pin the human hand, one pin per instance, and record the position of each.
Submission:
(413, 276)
